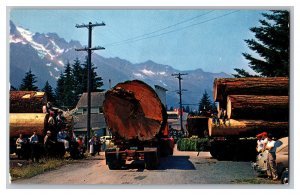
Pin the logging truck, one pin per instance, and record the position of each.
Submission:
(253, 105)
(138, 122)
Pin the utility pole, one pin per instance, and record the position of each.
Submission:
(89, 49)
(180, 99)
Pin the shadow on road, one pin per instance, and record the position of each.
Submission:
(176, 162)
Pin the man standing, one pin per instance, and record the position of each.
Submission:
(48, 144)
(34, 140)
(271, 160)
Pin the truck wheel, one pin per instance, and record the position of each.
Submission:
(115, 165)
(285, 177)
(151, 160)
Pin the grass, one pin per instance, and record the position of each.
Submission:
(30, 170)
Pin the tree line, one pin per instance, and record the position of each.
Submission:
(71, 83)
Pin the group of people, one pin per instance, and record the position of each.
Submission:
(23, 146)
(266, 143)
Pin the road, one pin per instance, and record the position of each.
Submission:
(181, 168)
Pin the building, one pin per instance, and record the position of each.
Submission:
(98, 124)
(161, 92)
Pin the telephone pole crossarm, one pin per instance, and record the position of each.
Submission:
(89, 25)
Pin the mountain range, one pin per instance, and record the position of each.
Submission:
(46, 55)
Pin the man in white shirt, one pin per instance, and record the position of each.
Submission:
(271, 160)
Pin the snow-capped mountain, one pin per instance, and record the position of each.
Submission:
(46, 55)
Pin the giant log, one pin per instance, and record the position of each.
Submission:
(26, 123)
(133, 110)
(197, 125)
(273, 108)
(247, 128)
(275, 86)
(27, 101)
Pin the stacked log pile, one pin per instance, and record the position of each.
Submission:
(27, 101)
(252, 105)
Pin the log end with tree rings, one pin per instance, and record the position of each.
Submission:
(133, 110)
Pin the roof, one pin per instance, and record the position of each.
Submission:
(97, 99)
(27, 101)
(160, 87)
(97, 122)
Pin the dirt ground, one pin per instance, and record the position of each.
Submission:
(182, 168)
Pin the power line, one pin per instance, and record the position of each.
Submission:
(175, 30)
(158, 30)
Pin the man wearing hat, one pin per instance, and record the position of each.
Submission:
(48, 143)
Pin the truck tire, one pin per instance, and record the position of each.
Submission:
(151, 160)
(285, 177)
(116, 164)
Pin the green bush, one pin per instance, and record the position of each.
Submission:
(193, 144)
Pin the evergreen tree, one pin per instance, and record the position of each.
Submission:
(77, 72)
(205, 103)
(59, 90)
(271, 44)
(69, 96)
(12, 88)
(49, 92)
(96, 80)
(28, 82)
(187, 109)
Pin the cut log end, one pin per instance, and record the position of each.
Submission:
(134, 111)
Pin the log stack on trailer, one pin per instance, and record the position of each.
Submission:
(253, 105)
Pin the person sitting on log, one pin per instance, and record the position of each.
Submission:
(60, 120)
(223, 116)
(63, 137)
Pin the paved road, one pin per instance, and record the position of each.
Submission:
(181, 168)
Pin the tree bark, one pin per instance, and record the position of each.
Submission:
(26, 123)
(276, 86)
(27, 101)
(134, 111)
(274, 108)
(247, 128)
(197, 125)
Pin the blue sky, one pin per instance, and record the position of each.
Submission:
(212, 40)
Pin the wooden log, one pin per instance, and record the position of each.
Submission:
(274, 108)
(197, 125)
(247, 128)
(26, 123)
(134, 111)
(27, 101)
(275, 86)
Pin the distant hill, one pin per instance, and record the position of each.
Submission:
(46, 55)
